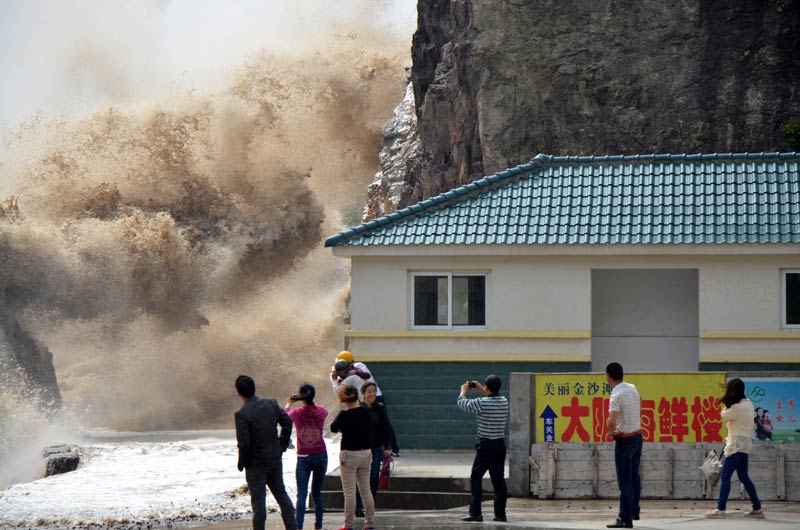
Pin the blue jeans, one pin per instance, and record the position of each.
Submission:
(736, 462)
(627, 456)
(306, 465)
(374, 475)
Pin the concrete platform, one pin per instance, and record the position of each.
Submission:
(438, 468)
(575, 515)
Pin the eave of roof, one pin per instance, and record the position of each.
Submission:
(536, 164)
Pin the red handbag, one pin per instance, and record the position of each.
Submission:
(386, 471)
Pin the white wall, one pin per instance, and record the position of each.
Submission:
(738, 293)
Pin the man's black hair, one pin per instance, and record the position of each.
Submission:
(245, 386)
(614, 371)
(493, 383)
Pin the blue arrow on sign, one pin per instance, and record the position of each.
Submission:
(549, 417)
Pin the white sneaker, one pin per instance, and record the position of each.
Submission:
(755, 514)
(715, 514)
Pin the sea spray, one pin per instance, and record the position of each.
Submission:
(160, 248)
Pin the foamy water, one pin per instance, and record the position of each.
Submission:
(160, 479)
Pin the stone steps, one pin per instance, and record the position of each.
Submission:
(409, 493)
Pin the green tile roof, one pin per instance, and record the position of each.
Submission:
(643, 199)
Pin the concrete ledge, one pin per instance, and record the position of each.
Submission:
(668, 471)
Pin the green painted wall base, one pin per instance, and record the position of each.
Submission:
(750, 367)
(421, 397)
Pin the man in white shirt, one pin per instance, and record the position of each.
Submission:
(625, 426)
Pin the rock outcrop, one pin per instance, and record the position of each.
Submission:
(497, 81)
(60, 459)
(399, 159)
(26, 367)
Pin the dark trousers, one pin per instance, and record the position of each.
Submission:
(316, 465)
(736, 462)
(374, 475)
(490, 455)
(627, 456)
(258, 479)
(392, 436)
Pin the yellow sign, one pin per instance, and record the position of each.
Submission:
(675, 407)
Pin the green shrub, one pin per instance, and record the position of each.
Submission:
(791, 131)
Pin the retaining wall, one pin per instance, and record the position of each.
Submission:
(668, 471)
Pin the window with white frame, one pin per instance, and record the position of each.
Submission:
(791, 298)
(448, 299)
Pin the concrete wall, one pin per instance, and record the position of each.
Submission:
(539, 318)
(668, 471)
(737, 295)
(645, 310)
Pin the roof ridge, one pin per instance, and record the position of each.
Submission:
(433, 202)
(542, 158)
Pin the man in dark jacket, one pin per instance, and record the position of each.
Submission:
(260, 451)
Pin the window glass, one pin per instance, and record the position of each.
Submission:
(469, 300)
(793, 298)
(430, 300)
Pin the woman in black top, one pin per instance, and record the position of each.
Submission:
(378, 433)
(355, 457)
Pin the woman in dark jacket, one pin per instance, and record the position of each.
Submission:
(378, 433)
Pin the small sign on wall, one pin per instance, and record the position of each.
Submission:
(676, 407)
(777, 403)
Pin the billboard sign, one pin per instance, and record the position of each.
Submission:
(676, 407)
(777, 408)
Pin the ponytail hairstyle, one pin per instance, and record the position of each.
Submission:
(307, 393)
(734, 392)
(348, 394)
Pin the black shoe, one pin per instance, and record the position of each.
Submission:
(473, 519)
(619, 523)
(635, 517)
(359, 514)
(500, 519)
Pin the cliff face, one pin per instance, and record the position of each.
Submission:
(497, 81)
(26, 367)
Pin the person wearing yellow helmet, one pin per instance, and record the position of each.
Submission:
(360, 369)
(346, 355)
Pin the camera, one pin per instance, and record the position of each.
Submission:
(472, 384)
(296, 397)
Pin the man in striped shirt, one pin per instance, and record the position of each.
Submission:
(490, 455)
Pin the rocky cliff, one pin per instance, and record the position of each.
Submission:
(497, 81)
(26, 367)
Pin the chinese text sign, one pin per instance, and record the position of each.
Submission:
(675, 407)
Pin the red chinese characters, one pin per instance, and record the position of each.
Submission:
(600, 420)
(707, 419)
(673, 421)
(575, 412)
(648, 420)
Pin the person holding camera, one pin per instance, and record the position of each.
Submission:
(261, 451)
(490, 448)
(355, 456)
(312, 455)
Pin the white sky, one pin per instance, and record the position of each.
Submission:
(69, 56)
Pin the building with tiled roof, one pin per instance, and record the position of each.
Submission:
(661, 262)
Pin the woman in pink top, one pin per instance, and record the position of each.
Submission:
(312, 456)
